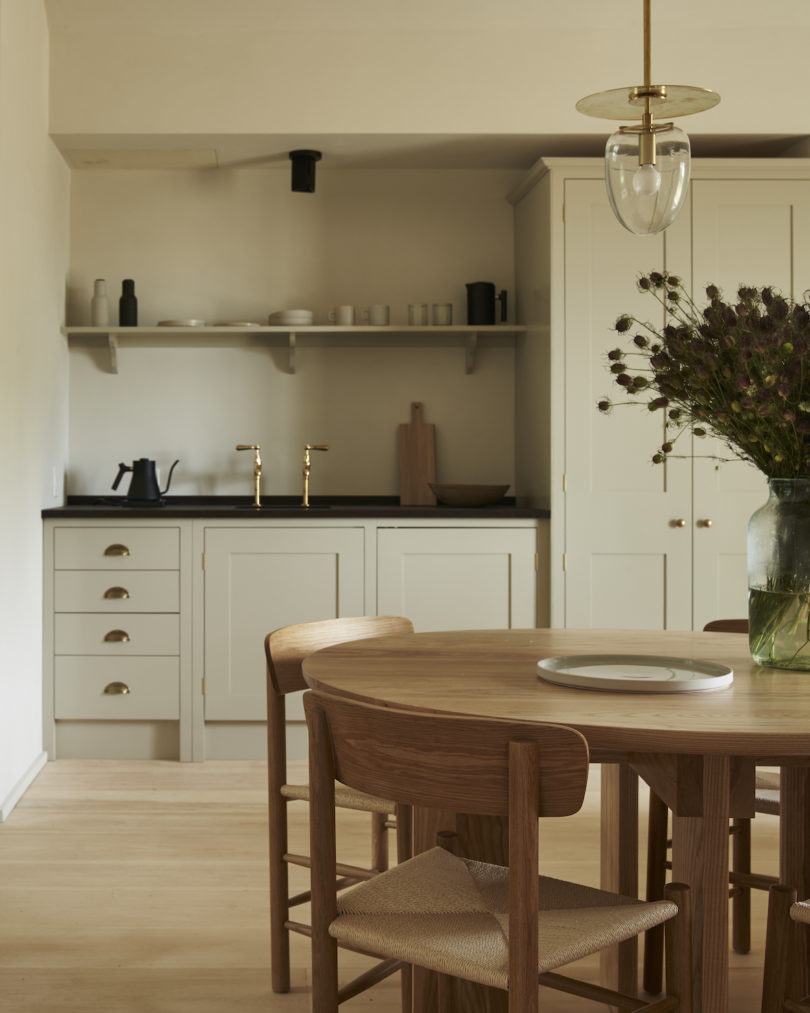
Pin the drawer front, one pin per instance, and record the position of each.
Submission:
(116, 591)
(92, 633)
(116, 548)
(153, 683)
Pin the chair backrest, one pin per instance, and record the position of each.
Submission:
(287, 647)
(726, 626)
(445, 761)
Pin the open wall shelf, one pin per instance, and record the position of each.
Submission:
(468, 336)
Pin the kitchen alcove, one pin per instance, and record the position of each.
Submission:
(469, 336)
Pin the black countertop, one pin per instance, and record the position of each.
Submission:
(282, 507)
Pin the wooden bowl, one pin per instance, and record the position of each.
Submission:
(468, 495)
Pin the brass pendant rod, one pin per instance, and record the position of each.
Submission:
(647, 117)
(647, 72)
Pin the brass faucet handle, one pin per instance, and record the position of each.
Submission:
(248, 446)
(316, 446)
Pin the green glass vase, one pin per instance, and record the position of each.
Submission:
(779, 576)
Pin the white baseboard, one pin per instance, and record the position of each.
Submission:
(19, 789)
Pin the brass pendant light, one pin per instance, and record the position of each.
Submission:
(647, 163)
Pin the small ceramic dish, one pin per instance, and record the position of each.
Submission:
(468, 495)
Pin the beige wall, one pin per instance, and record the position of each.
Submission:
(412, 66)
(33, 373)
(240, 245)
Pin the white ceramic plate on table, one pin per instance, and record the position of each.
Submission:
(634, 673)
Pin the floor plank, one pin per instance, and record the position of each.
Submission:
(141, 887)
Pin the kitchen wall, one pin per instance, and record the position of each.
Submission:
(238, 245)
(33, 376)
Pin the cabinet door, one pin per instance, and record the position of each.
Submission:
(627, 521)
(744, 232)
(258, 579)
(457, 578)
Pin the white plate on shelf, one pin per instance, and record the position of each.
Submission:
(190, 322)
(300, 317)
(236, 323)
(635, 673)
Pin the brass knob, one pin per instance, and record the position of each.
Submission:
(678, 522)
(117, 549)
(116, 689)
(116, 637)
(116, 592)
(704, 523)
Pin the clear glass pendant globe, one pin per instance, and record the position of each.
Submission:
(647, 198)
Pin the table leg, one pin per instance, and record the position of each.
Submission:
(700, 859)
(482, 838)
(619, 865)
(794, 856)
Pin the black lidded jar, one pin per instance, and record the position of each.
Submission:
(128, 305)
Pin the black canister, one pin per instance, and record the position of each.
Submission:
(128, 305)
(481, 302)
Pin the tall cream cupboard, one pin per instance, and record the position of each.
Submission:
(635, 544)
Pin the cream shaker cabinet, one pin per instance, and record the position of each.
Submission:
(257, 579)
(154, 632)
(113, 639)
(458, 578)
(633, 544)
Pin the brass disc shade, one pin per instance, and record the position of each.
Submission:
(666, 100)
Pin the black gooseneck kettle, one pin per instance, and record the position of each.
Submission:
(143, 486)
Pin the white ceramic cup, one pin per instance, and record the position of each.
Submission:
(378, 315)
(417, 314)
(343, 316)
(442, 314)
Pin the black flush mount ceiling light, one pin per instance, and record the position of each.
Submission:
(647, 164)
(303, 170)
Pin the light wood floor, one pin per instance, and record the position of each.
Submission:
(142, 887)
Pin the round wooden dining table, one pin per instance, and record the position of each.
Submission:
(697, 750)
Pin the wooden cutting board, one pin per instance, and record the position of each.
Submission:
(417, 459)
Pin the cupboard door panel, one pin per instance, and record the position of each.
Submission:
(621, 511)
(257, 580)
(457, 579)
(744, 233)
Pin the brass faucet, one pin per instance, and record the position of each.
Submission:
(308, 468)
(257, 470)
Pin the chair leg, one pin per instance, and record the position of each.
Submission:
(678, 935)
(279, 898)
(406, 989)
(379, 843)
(656, 877)
(741, 899)
(404, 821)
(779, 932)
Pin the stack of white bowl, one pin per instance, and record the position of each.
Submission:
(291, 318)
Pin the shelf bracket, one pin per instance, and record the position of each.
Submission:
(471, 342)
(112, 346)
(291, 346)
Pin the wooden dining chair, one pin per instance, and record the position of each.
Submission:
(502, 927)
(788, 922)
(741, 879)
(285, 649)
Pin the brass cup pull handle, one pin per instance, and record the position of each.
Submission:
(705, 523)
(116, 592)
(116, 689)
(677, 522)
(117, 637)
(117, 549)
